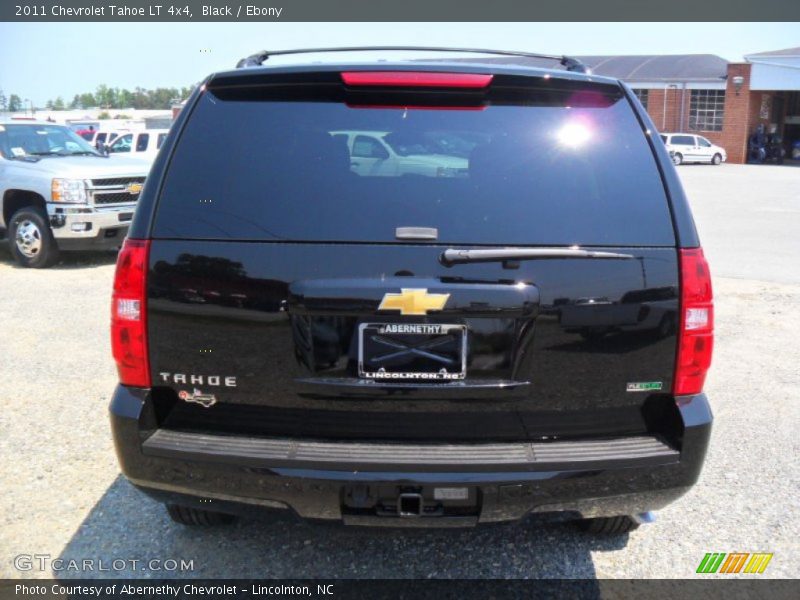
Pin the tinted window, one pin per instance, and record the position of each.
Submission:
(682, 140)
(703, 142)
(508, 174)
(141, 142)
(160, 140)
(122, 144)
(101, 137)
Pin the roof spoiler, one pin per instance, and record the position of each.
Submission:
(256, 60)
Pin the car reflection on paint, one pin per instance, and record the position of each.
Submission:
(640, 310)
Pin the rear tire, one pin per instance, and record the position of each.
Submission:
(186, 515)
(609, 525)
(31, 241)
(677, 158)
(717, 160)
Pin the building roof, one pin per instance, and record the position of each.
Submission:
(665, 67)
(784, 52)
(677, 67)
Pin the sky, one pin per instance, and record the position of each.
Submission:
(64, 59)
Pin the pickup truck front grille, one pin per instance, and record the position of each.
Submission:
(117, 181)
(116, 190)
(115, 198)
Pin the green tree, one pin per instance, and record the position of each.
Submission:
(14, 103)
(163, 97)
(3, 101)
(88, 100)
(105, 96)
(104, 115)
(124, 98)
(140, 99)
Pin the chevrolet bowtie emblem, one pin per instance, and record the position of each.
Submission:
(413, 301)
(134, 188)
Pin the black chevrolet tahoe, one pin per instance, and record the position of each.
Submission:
(412, 294)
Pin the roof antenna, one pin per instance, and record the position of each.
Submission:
(573, 64)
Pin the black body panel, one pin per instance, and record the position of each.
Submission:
(592, 483)
(571, 334)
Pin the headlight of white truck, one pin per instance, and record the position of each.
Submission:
(72, 191)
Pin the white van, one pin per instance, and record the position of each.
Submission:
(143, 144)
(687, 147)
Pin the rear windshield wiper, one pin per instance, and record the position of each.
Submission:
(452, 256)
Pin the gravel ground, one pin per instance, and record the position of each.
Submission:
(63, 495)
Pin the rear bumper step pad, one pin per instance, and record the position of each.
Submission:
(632, 451)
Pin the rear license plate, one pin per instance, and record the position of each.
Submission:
(412, 351)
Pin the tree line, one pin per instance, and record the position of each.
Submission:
(105, 97)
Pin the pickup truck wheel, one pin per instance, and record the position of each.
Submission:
(196, 516)
(31, 240)
(608, 525)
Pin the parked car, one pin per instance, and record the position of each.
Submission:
(412, 349)
(384, 153)
(58, 193)
(141, 144)
(687, 148)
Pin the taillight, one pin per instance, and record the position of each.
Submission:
(129, 316)
(696, 333)
(416, 79)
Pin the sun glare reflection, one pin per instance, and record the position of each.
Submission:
(574, 135)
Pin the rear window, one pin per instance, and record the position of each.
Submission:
(560, 172)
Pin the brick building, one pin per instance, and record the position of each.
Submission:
(705, 94)
(723, 101)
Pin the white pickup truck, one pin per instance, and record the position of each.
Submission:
(380, 153)
(58, 193)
